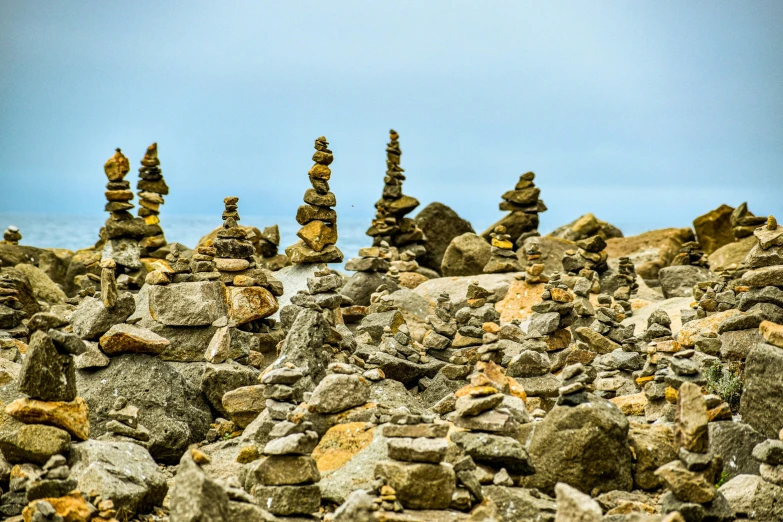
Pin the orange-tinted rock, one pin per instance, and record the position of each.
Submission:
(250, 303)
(340, 444)
(73, 416)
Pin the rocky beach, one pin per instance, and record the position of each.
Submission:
(432, 374)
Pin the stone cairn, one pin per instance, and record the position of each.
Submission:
(590, 256)
(711, 297)
(152, 187)
(122, 231)
(553, 315)
(471, 319)
(390, 223)
(441, 326)
(622, 296)
(744, 222)
(490, 419)
(573, 392)
(285, 482)
(652, 376)
(124, 425)
(691, 254)
(524, 206)
(233, 251)
(406, 269)
(534, 272)
(317, 216)
(12, 236)
(691, 479)
(11, 311)
(371, 267)
(502, 258)
(415, 475)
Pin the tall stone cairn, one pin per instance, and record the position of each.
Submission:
(152, 187)
(122, 232)
(317, 216)
(233, 251)
(523, 204)
(390, 223)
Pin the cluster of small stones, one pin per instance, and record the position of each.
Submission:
(390, 224)
(691, 254)
(573, 391)
(502, 257)
(652, 376)
(524, 205)
(744, 222)
(51, 481)
(12, 236)
(691, 479)
(534, 271)
(769, 454)
(441, 326)
(317, 216)
(590, 257)
(233, 251)
(625, 292)
(268, 245)
(475, 323)
(11, 312)
(553, 315)
(124, 425)
(152, 187)
(710, 297)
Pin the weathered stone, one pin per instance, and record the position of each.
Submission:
(419, 486)
(575, 506)
(188, 304)
(244, 404)
(466, 255)
(30, 442)
(713, 229)
(219, 379)
(691, 419)
(760, 401)
(495, 450)
(440, 225)
(92, 319)
(686, 485)
(46, 374)
(289, 500)
(285, 470)
(250, 304)
(72, 416)
(337, 392)
(195, 497)
(127, 338)
(679, 280)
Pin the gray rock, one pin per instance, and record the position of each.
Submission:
(195, 497)
(361, 285)
(521, 504)
(357, 473)
(734, 441)
(337, 392)
(44, 289)
(495, 450)
(405, 371)
(769, 452)
(678, 281)
(289, 500)
(575, 506)
(218, 379)
(303, 347)
(169, 406)
(188, 304)
(760, 402)
(121, 471)
(92, 319)
(735, 346)
(440, 225)
(125, 252)
(419, 485)
(46, 374)
(418, 450)
(543, 324)
(466, 255)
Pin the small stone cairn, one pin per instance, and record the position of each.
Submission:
(441, 326)
(390, 223)
(471, 319)
(54, 481)
(770, 456)
(627, 273)
(502, 258)
(523, 205)
(124, 425)
(744, 222)
(691, 479)
(12, 236)
(553, 315)
(152, 187)
(590, 254)
(573, 392)
(122, 231)
(233, 251)
(691, 254)
(11, 311)
(406, 269)
(317, 216)
(534, 272)
(268, 246)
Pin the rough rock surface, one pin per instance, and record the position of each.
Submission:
(760, 402)
(440, 225)
(466, 255)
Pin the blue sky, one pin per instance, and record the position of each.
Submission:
(645, 113)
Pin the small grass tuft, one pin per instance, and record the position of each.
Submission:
(726, 382)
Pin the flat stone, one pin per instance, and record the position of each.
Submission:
(418, 449)
(34, 443)
(72, 416)
(225, 264)
(128, 338)
(295, 444)
(285, 470)
(495, 450)
(289, 500)
(91, 319)
(188, 304)
(575, 506)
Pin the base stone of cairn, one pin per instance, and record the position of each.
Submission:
(317, 216)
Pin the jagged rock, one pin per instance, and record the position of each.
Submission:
(653, 446)
(713, 229)
(195, 497)
(575, 506)
(734, 441)
(127, 338)
(47, 374)
(92, 319)
(518, 504)
(72, 416)
(586, 226)
(678, 281)
(759, 405)
(466, 255)
(30, 442)
(419, 485)
(44, 289)
(440, 225)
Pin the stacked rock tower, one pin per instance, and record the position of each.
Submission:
(524, 205)
(317, 216)
(152, 187)
(390, 223)
(234, 252)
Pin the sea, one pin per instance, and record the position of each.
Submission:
(75, 232)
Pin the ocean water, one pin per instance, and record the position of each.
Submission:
(75, 232)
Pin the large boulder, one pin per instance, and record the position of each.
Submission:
(731, 255)
(44, 289)
(678, 281)
(649, 251)
(585, 446)
(760, 403)
(457, 287)
(123, 472)
(516, 223)
(552, 251)
(587, 226)
(25, 293)
(173, 410)
(440, 225)
(713, 229)
(466, 255)
(734, 441)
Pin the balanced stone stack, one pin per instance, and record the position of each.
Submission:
(623, 294)
(233, 252)
(12, 236)
(712, 297)
(124, 425)
(534, 271)
(11, 310)
(606, 334)
(317, 216)
(406, 269)
(553, 315)
(152, 187)
(370, 267)
(744, 222)
(691, 479)
(492, 419)
(573, 391)
(390, 223)
(471, 319)
(524, 205)
(415, 475)
(769, 454)
(441, 326)
(691, 254)
(502, 256)
(122, 231)
(590, 254)
(54, 481)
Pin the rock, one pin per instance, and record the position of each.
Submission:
(303, 348)
(174, 409)
(289, 500)
(361, 285)
(346, 457)
(46, 374)
(34, 443)
(759, 405)
(219, 379)
(293, 278)
(690, 425)
(121, 471)
(195, 497)
(44, 289)
(337, 392)
(652, 446)
(284, 470)
(92, 319)
(649, 251)
(127, 338)
(495, 450)
(575, 506)
(188, 304)
(586, 226)
(244, 404)
(772, 333)
(456, 287)
(186, 343)
(440, 225)
(713, 229)
(686, 485)
(71, 508)
(584, 446)
(466, 255)
(678, 281)
(73, 416)
(251, 303)
(736, 345)
(552, 250)
(732, 254)
(691, 331)
(521, 504)
(419, 485)
(769, 452)
(734, 441)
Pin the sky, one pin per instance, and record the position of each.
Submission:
(646, 113)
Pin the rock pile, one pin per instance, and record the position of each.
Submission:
(317, 216)
(629, 286)
(691, 254)
(11, 309)
(124, 425)
(267, 248)
(471, 319)
(503, 258)
(524, 205)
(390, 223)
(590, 254)
(233, 252)
(691, 478)
(370, 268)
(152, 187)
(534, 271)
(606, 334)
(744, 222)
(441, 326)
(553, 315)
(573, 391)
(12, 236)
(406, 269)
